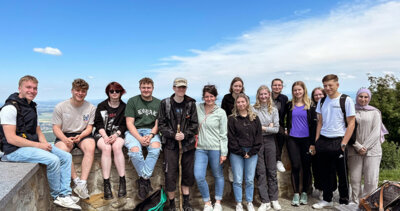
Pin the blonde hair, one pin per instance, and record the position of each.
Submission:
(250, 113)
(270, 103)
(27, 78)
(306, 100)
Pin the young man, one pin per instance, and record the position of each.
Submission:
(280, 101)
(24, 142)
(72, 125)
(332, 136)
(141, 120)
(177, 122)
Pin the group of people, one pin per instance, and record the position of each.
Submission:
(317, 131)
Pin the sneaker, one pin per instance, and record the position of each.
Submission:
(67, 202)
(217, 207)
(322, 204)
(276, 205)
(143, 191)
(280, 166)
(264, 207)
(296, 200)
(208, 207)
(239, 207)
(250, 207)
(187, 206)
(82, 191)
(74, 198)
(303, 198)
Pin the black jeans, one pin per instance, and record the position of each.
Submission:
(280, 139)
(300, 159)
(334, 162)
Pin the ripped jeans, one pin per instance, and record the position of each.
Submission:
(144, 167)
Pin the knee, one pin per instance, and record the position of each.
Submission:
(116, 148)
(155, 145)
(54, 162)
(199, 176)
(134, 149)
(106, 150)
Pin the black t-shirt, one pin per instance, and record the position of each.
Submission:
(178, 108)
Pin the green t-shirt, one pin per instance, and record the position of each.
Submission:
(144, 112)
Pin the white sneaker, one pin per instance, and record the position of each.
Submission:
(250, 207)
(322, 204)
(280, 167)
(217, 207)
(276, 205)
(208, 207)
(264, 207)
(82, 191)
(74, 198)
(239, 207)
(67, 202)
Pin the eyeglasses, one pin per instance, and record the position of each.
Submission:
(114, 91)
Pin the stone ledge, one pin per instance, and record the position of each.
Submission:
(13, 177)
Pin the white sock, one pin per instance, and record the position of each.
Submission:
(77, 180)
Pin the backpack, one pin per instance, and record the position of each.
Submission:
(342, 102)
(2, 136)
(155, 202)
(386, 197)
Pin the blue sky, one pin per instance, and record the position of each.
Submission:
(204, 41)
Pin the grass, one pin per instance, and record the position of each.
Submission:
(389, 174)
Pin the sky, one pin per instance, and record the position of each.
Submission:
(207, 42)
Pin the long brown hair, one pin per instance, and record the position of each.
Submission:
(250, 113)
(234, 80)
(270, 103)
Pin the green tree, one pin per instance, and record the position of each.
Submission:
(386, 97)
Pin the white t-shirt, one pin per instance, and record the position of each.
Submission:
(333, 121)
(8, 115)
(73, 119)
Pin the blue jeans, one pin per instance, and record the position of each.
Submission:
(144, 167)
(247, 166)
(58, 164)
(202, 158)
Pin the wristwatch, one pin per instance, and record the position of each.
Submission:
(342, 145)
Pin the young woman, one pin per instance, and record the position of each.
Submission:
(316, 95)
(365, 155)
(300, 127)
(244, 142)
(109, 134)
(212, 147)
(228, 102)
(266, 164)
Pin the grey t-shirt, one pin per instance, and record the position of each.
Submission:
(73, 119)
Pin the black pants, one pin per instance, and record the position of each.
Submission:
(300, 159)
(171, 168)
(334, 162)
(280, 139)
(317, 165)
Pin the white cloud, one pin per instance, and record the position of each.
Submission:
(302, 12)
(351, 40)
(91, 77)
(48, 50)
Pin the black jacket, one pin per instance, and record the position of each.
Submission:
(311, 117)
(228, 103)
(100, 121)
(283, 99)
(244, 133)
(27, 121)
(167, 123)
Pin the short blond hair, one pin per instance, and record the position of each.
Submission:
(27, 78)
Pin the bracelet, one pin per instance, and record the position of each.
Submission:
(152, 134)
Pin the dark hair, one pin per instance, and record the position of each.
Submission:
(146, 80)
(313, 91)
(234, 80)
(115, 86)
(276, 79)
(79, 83)
(210, 89)
(330, 77)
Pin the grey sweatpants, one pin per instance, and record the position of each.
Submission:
(367, 166)
(267, 182)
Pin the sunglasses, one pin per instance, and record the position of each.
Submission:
(114, 91)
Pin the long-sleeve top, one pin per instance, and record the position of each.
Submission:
(244, 133)
(212, 129)
(368, 133)
(267, 118)
(228, 103)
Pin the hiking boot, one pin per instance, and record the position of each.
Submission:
(171, 206)
(296, 200)
(303, 198)
(148, 185)
(264, 207)
(187, 206)
(143, 191)
(81, 190)
(67, 202)
(107, 190)
(122, 187)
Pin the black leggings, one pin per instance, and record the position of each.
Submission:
(300, 158)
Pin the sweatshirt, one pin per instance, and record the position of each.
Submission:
(266, 119)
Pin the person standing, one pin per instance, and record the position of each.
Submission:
(228, 102)
(73, 121)
(141, 120)
(334, 130)
(109, 134)
(212, 147)
(266, 165)
(280, 101)
(244, 142)
(24, 141)
(366, 153)
(177, 122)
(300, 127)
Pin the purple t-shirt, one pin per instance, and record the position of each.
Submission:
(299, 123)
